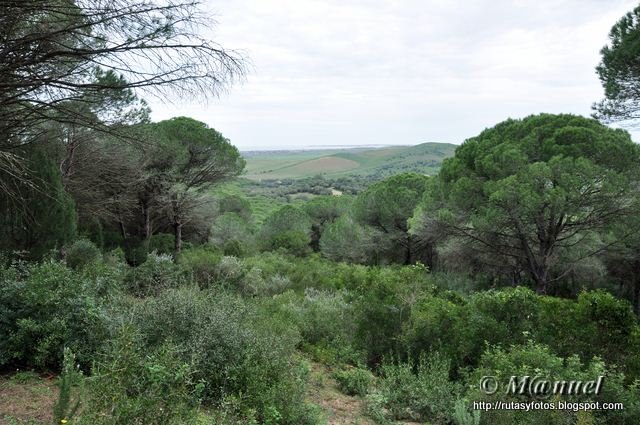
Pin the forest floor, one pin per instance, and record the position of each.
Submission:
(27, 399)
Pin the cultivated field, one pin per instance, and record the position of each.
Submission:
(424, 158)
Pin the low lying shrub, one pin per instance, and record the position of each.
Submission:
(157, 274)
(133, 383)
(81, 253)
(421, 392)
(43, 308)
(354, 381)
(232, 349)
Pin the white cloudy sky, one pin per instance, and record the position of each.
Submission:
(331, 72)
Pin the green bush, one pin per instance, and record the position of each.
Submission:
(161, 243)
(201, 264)
(419, 392)
(230, 271)
(232, 349)
(44, 308)
(386, 299)
(312, 271)
(81, 253)
(135, 251)
(534, 359)
(115, 256)
(106, 278)
(291, 241)
(68, 398)
(325, 321)
(353, 381)
(252, 283)
(137, 384)
(287, 229)
(462, 415)
(598, 324)
(158, 273)
(323, 316)
(233, 248)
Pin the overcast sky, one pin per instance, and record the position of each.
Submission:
(363, 72)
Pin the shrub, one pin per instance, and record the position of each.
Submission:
(81, 253)
(386, 298)
(421, 392)
(353, 381)
(135, 251)
(324, 317)
(275, 285)
(137, 384)
(463, 416)
(455, 281)
(234, 351)
(161, 243)
(115, 256)
(236, 274)
(310, 272)
(44, 308)
(291, 241)
(436, 324)
(158, 273)
(232, 232)
(201, 264)
(533, 359)
(325, 321)
(233, 248)
(606, 325)
(598, 324)
(287, 228)
(230, 271)
(106, 278)
(68, 401)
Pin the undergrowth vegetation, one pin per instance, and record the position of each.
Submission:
(217, 339)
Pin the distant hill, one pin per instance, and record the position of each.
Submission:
(425, 158)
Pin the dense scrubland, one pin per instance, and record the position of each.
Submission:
(154, 285)
(407, 305)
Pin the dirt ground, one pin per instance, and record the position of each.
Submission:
(338, 408)
(27, 399)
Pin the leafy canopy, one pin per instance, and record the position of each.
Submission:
(528, 190)
(619, 71)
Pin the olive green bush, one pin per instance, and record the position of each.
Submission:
(201, 265)
(325, 321)
(81, 253)
(155, 275)
(45, 307)
(537, 360)
(133, 383)
(161, 243)
(354, 381)
(417, 392)
(232, 349)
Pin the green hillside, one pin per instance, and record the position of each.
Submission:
(376, 162)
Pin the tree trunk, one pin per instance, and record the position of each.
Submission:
(316, 232)
(123, 230)
(407, 255)
(177, 232)
(146, 214)
(635, 279)
(542, 283)
(430, 255)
